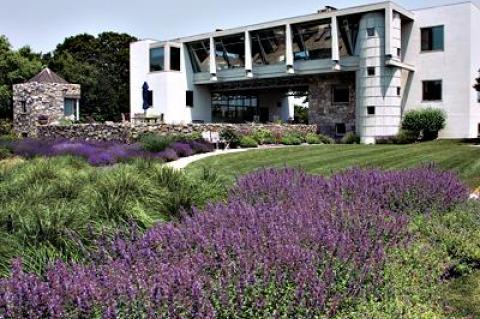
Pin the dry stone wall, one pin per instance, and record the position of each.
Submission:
(126, 132)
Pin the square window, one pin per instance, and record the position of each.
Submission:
(478, 96)
(432, 90)
(399, 90)
(340, 129)
(371, 71)
(478, 128)
(340, 94)
(371, 32)
(174, 59)
(189, 97)
(432, 38)
(399, 52)
(70, 107)
(157, 59)
(370, 110)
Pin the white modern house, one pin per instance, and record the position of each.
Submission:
(361, 68)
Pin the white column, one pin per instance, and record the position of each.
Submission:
(335, 50)
(77, 107)
(248, 55)
(289, 49)
(388, 30)
(213, 60)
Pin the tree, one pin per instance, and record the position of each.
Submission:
(425, 123)
(16, 66)
(101, 66)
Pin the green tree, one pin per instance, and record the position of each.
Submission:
(101, 65)
(16, 66)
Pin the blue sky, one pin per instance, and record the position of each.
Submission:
(43, 24)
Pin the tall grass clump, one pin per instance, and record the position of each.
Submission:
(285, 243)
(51, 207)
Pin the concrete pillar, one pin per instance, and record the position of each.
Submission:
(289, 49)
(167, 57)
(248, 55)
(213, 60)
(335, 50)
(388, 31)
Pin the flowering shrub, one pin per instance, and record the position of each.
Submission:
(285, 243)
(100, 153)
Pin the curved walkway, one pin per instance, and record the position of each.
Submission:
(185, 161)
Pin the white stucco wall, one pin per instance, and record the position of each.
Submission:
(452, 65)
(475, 66)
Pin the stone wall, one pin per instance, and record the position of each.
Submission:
(32, 99)
(126, 132)
(323, 111)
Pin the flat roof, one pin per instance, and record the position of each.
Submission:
(299, 19)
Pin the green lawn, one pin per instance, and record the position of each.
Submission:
(325, 159)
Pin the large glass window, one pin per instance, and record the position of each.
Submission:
(432, 38)
(200, 55)
(268, 46)
(157, 59)
(175, 58)
(432, 90)
(312, 41)
(234, 108)
(230, 52)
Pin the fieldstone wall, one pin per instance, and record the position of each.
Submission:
(323, 111)
(32, 99)
(126, 132)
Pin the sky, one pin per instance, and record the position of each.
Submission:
(42, 24)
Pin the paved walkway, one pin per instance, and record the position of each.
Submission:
(185, 161)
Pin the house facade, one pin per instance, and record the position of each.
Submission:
(360, 68)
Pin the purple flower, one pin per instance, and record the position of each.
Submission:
(168, 155)
(182, 149)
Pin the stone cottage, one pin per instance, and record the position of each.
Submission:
(47, 98)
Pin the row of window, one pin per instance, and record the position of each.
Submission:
(157, 59)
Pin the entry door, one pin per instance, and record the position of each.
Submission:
(264, 114)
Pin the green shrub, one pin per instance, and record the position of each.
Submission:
(405, 137)
(350, 138)
(326, 139)
(248, 141)
(425, 123)
(291, 139)
(156, 142)
(230, 136)
(263, 136)
(312, 138)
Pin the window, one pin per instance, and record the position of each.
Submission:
(157, 59)
(312, 41)
(371, 32)
(174, 59)
(230, 52)
(268, 46)
(478, 96)
(432, 38)
(235, 108)
(340, 129)
(189, 96)
(399, 52)
(23, 105)
(370, 110)
(340, 94)
(432, 90)
(200, 55)
(399, 90)
(70, 107)
(478, 128)
(371, 71)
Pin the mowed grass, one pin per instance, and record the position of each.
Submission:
(327, 159)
